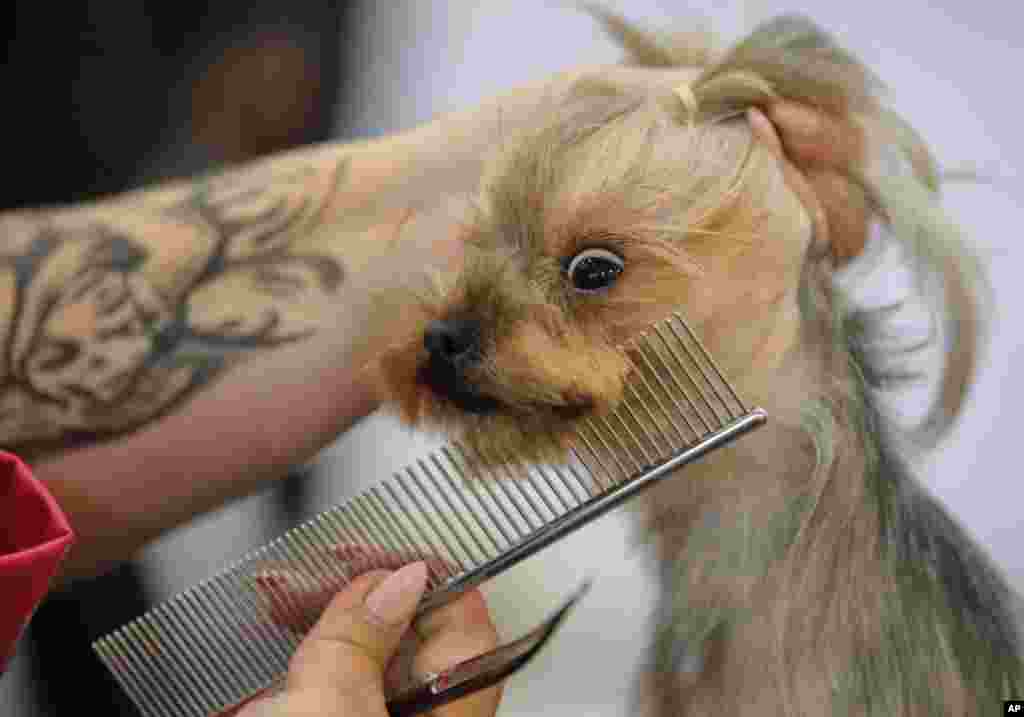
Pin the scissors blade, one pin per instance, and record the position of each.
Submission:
(483, 671)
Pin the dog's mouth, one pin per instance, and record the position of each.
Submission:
(449, 385)
(573, 411)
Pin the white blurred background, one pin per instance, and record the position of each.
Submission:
(953, 71)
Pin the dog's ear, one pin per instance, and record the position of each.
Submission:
(821, 155)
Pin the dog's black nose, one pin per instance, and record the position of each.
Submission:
(455, 342)
(455, 346)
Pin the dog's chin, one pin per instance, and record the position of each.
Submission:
(476, 404)
(481, 409)
(446, 388)
(460, 396)
(497, 432)
(481, 406)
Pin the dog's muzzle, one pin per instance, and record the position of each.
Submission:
(453, 347)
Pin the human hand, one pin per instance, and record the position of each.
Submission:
(821, 154)
(352, 655)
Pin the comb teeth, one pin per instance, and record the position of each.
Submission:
(219, 642)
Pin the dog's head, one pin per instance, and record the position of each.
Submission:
(624, 205)
(589, 229)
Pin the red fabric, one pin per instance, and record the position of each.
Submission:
(34, 537)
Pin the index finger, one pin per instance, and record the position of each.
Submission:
(452, 634)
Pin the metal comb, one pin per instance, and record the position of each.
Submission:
(220, 642)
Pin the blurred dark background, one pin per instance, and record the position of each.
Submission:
(101, 96)
(99, 92)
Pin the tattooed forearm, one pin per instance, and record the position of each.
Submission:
(111, 319)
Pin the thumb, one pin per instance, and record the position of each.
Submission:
(341, 662)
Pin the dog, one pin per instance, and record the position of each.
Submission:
(803, 569)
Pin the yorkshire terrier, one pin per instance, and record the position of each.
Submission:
(804, 570)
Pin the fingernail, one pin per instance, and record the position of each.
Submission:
(395, 599)
(764, 129)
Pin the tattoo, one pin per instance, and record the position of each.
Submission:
(108, 325)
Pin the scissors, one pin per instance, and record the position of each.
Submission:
(482, 671)
(472, 675)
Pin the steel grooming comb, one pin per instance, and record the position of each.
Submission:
(220, 642)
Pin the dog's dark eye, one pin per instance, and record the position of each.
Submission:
(594, 270)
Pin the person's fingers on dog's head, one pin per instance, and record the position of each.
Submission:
(811, 136)
(847, 212)
(765, 132)
(452, 634)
